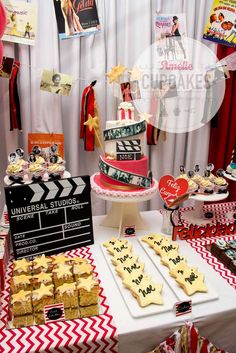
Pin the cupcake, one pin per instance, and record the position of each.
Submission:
(206, 186)
(36, 171)
(220, 182)
(192, 186)
(55, 169)
(231, 168)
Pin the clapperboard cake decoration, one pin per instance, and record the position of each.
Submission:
(50, 217)
(128, 150)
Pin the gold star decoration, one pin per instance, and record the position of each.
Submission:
(115, 73)
(22, 265)
(60, 259)
(82, 268)
(92, 123)
(79, 260)
(24, 279)
(87, 283)
(41, 261)
(145, 116)
(21, 296)
(136, 74)
(63, 271)
(43, 277)
(43, 291)
(67, 287)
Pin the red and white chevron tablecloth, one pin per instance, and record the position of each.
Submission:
(200, 245)
(88, 335)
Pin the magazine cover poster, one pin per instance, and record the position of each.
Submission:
(221, 24)
(76, 18)
(21, 22)
(170, 34)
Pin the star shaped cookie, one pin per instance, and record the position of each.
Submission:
(191, 281)
(63, 271)
(60, 259)
(69, 288)
(129, 268)
(148, 293)
(173, 262)
(22, 265)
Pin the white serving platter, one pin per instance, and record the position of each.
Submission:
(135, 310)
(197, 298)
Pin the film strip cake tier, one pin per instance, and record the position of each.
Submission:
(124, 167)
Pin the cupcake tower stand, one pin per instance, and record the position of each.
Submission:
(124, 210)
(197, 215)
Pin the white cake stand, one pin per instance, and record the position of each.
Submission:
(230, 177)
(124, 210)
(196, 216)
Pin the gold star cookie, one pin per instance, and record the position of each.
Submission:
(82, 268)
(148, 293)
(43, 277)
(114, 241)
(191, 281)
(69, 288)
(173, 262)
(122, 259)
(129, 268)
(24, 279)
(119, 249)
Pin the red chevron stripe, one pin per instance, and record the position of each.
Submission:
(101, 328)
(199, 246)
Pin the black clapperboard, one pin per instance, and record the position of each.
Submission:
(50, 217)
(128, 150)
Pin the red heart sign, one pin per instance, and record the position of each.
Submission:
(170, 189)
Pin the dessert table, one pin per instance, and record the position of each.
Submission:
(215, 319)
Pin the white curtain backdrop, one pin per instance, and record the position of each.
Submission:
(127, 29)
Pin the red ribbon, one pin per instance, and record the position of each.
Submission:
(87, 107)
(123, 114)
(15, 115)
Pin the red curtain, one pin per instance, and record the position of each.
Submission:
(223, 130)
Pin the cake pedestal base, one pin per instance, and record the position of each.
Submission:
(124, 211)
(124, 214)
(197, 215)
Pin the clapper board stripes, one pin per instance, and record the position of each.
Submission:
(128, 150)
(50, 217)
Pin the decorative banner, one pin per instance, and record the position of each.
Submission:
(194, 231)
(56, 82)
(21, 22)
(50, 217)
(45, 141)
(76, 18)
(123, 176)
(221, 25)
(124, 131)
(170, 189)
(6, 67)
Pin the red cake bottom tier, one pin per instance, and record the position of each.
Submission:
(139, 167)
